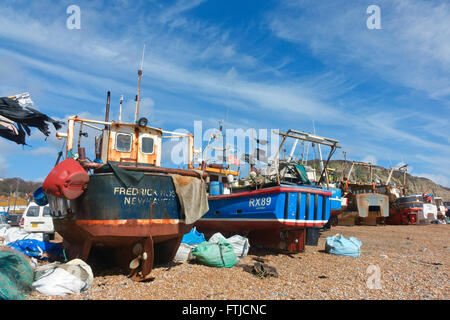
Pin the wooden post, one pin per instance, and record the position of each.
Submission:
(70, 134)
(190, 151)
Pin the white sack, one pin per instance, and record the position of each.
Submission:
(240, 244)
(74, 276)
(3, 230)
(58, 282)
(183, 252)
(215, 237)
(16, 233)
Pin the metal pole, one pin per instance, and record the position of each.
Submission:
(120, 108)
(108, 100)
(80, 133)
(320, 157)
(10, 195)
(343, 166)
(15, 199)
(138, 97)
(303, 155)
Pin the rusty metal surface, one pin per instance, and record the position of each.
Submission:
(135, 155)
(366, 200)
(191, 173)
(111, 215)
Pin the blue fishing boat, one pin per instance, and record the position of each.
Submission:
(276, 211)
(336, 206)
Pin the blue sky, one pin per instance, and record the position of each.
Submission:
(383, 93)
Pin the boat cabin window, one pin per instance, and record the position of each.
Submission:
(123, 142)
(147, 145)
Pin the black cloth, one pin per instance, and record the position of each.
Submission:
(16, 136)
(25, 117)
(126, 177)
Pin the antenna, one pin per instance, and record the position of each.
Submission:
(120, 108)
(142, 61)
(138, 97)
(318, 149)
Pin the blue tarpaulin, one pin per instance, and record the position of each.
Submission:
(342, 246)
(193, 237)
(37, 249)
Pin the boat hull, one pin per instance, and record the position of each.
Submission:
(404, 216)
(273, 217)
(406, 210)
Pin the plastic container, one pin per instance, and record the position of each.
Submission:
(40, 197)
(67, 180)
(214, 189)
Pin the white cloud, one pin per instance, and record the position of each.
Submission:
(43, 151)
(173, 12)
(197, 60)
(146, 110)
(3, 166)
(370, 159)
(411, 49)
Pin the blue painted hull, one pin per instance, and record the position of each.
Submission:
(278, 207)
(336, 200)
(274, 218)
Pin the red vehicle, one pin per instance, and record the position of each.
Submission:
(405, 210)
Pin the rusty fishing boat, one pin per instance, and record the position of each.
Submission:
(366, 199)
(123, 199)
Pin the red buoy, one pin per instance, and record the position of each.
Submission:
(67, 180)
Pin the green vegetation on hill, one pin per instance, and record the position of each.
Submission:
(8, 185)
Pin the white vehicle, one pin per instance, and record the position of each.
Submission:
(441, 210)
(428, 214)
(38, 219)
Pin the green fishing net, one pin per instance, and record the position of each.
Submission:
(16, 275)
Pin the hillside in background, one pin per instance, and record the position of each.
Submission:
(9, 185)
(415, 185)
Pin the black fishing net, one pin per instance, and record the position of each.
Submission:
(24, 117)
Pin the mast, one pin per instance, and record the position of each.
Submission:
(120, 108)
(319, 150)
(108, 101)
(138, 97)
(291, 154)
(303, 155)
(224, 152)
(15, 199)
(343, 166)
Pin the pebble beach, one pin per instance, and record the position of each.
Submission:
(396, 263)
